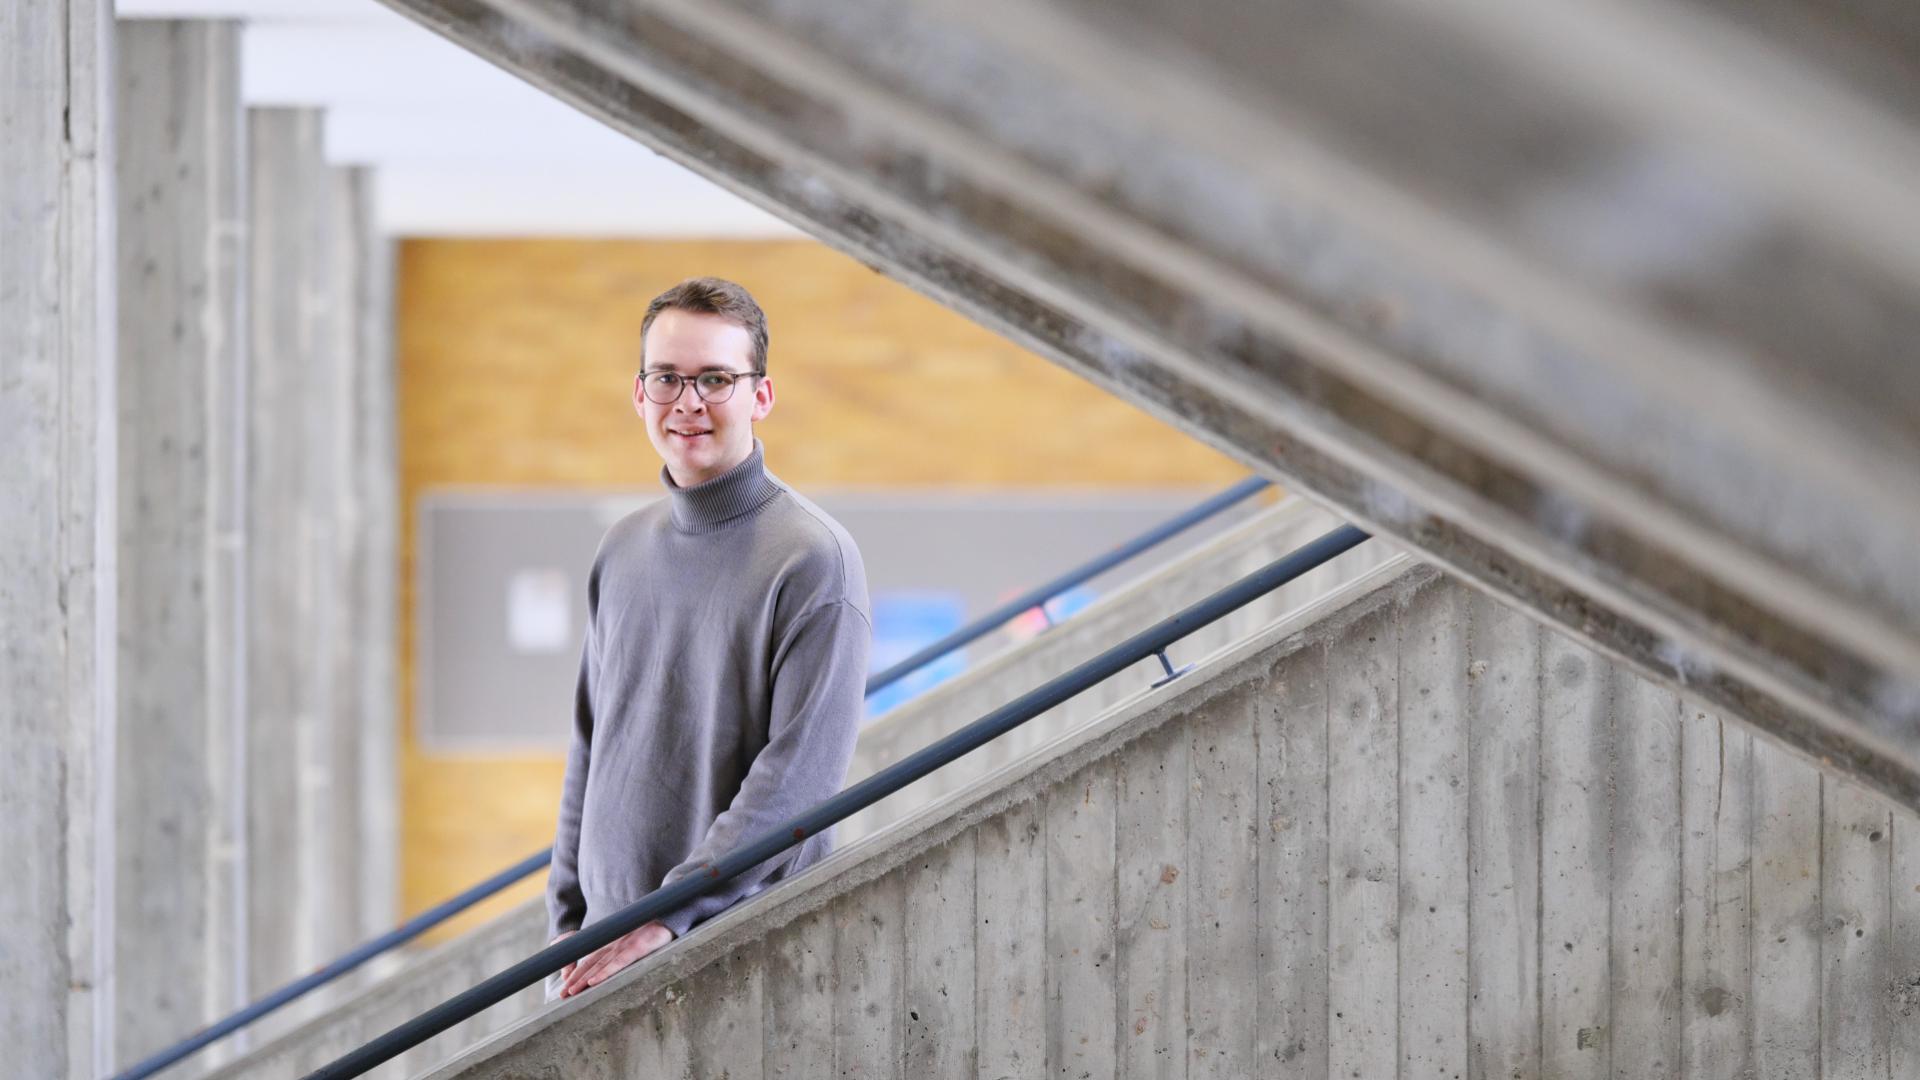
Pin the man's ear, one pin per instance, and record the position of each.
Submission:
(762, 397)
(639, 398)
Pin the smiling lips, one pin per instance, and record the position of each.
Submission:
(691, 434)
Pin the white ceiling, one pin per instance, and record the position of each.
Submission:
(458, 146)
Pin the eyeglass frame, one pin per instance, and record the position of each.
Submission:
(733, 380)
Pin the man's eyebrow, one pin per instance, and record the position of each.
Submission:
(698, 371)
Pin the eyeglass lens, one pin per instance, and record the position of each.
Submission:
(714, 387)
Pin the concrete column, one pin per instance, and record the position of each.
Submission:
(380, 607)
(366, 732)
(57, 505)
(289, 509)
(181, 199)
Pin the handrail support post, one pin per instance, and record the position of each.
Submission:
(1167, 666)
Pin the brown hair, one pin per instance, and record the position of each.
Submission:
(713, 296)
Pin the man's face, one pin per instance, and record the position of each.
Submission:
(700, 439)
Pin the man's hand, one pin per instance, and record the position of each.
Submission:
(597, 967)
(565, 972)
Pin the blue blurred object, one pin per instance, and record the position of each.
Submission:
(1072, 602)
(905, 621)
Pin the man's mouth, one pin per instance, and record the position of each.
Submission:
(690, 434)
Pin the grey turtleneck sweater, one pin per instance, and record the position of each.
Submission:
(720, 693)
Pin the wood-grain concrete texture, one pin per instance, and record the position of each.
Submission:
(319, 509)
(181, 814)
(1408, 832)
(363, 852)
(58, 502)
(516, 361)
(364, 281)
(460, 963)
(289, 503)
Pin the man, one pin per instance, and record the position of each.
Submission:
(726, 654)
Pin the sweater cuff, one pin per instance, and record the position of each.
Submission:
(678, 922)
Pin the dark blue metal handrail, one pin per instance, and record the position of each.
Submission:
(399, 935)
(1152, 641)
(434, 916)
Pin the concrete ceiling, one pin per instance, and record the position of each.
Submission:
(458, 146)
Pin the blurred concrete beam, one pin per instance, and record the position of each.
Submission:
(1606, 307)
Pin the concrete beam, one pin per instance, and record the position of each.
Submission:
(290, 504)
(58, 590)
(1485, 298)
(365, 894)
(182, 653)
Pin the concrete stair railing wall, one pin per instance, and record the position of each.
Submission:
(1406, 832)
(1239, 552)
(456, 965)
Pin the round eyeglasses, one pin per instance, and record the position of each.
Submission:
(714, 387)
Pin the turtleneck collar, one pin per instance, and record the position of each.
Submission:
(733, 494)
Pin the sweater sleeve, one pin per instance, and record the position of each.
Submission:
(566, 905)
(819, 684)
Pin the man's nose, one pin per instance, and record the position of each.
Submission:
(690, 400)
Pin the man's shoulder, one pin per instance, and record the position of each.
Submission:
(631, 533)
(820, 547)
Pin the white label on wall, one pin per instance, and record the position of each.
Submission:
(539, 613)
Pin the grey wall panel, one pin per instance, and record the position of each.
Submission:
(1503, 895)
(1716, 920)
(869, 950)
(799, 1026)
(1218, 873)
(1294, 921)
(480, 689)
(1576, 747)
(1786, 891)
(1363, 824)
(1010, 990)
(1074, 924)
(1857, 992)
(1644, 916)
(1150, 975)
(1435, 803)
(1904, 957)
(939, 990)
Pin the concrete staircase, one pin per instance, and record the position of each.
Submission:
(1260, 539)
(1407, 831)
